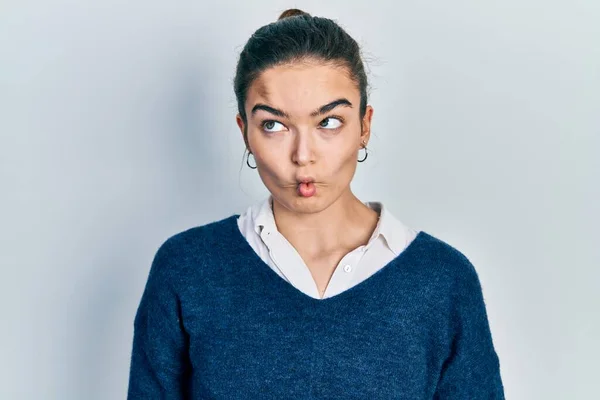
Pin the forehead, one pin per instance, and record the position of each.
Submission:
(300, 88)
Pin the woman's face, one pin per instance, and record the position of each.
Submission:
(303, 123)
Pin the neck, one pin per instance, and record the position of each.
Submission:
(343, 226)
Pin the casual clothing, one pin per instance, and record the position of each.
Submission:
(216, 322)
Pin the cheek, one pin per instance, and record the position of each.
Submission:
(272, 166)
(271, 157)
(341, 158)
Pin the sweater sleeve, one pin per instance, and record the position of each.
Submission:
(159, 358)
(472, 368)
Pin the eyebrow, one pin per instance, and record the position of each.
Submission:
(319, 111)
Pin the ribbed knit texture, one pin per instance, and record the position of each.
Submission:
(215, 322)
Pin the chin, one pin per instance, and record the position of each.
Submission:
(304, 205)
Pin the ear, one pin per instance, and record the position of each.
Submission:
(366, 125)
(240, 123)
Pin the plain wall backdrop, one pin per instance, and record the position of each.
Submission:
(117, 130)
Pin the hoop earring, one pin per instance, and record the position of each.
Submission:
(248, 160)
(366, 154)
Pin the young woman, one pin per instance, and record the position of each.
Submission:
(311, 294)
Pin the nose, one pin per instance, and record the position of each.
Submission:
(303, 152)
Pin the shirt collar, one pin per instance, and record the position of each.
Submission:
(392, 229)
(388, 226)
(264, 220)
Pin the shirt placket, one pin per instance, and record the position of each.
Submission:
(344, 272)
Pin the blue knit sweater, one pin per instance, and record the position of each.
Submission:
(215, 322)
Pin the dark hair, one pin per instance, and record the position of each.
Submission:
(298, 36)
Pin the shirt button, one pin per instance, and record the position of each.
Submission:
(347, 268)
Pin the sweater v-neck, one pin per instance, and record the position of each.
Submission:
(365, 287)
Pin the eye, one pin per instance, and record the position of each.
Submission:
(272, 126)
(331, 123)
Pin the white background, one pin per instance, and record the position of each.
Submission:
(117, 130)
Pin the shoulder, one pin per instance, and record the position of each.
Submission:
(449, 278)
(448, 264)
(189, 249)
(192, 238)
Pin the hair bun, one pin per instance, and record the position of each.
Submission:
(292, 12)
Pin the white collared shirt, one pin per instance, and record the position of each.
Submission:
(389, 239)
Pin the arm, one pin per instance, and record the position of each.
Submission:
(159, 363)
(472, 369)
